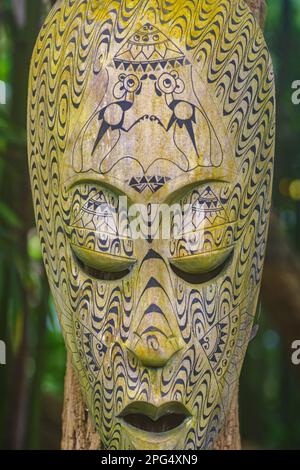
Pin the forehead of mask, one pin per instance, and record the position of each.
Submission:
(100, 53)
(168, 127)
(192, 130)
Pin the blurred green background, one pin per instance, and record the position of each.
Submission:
(31, 384)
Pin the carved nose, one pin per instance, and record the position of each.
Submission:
(153, 344)
(153, 348)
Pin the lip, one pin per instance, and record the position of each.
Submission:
(147, 418)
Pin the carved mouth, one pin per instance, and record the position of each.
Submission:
(149, 418)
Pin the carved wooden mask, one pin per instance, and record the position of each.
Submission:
(158, 103)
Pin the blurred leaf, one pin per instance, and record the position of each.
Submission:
(34, 246)
(9, 217)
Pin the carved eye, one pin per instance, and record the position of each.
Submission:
(166, 83)
(170, 83)
(203, 267)
(131, 83)
(102, 266)
(126, 84)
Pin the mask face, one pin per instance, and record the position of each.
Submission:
(164, 111)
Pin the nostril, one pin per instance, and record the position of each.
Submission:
(152, 343)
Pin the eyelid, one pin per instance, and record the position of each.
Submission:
(200, 263)
(102, 261)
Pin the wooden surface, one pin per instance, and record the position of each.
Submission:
(78, 430)
(259, 9)
(79, 433)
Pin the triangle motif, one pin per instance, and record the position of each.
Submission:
(149, 47)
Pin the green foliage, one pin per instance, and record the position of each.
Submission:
(35, 349)
(7, 216)
(269, 387)
(269, 393)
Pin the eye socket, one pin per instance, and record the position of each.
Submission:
(166, 83)
(104, 267)
(205, 273)
(131, 83)
(170, 83)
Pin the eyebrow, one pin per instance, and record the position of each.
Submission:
(177, 188)
(171, 191)
(112, 184)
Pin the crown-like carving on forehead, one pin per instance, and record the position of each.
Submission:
(149, 49)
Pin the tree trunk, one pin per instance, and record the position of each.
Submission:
(78, 430)
(22, 20)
